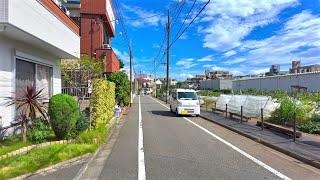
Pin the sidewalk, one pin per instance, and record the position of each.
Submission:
(306, 148)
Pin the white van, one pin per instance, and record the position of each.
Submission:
(184, 102)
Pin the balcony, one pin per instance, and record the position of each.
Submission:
(112, 63)
(41, 24)
(103, 8)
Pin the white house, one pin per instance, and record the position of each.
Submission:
(34, 36)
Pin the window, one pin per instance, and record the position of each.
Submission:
(187, 96)
(43, 80)
(28, 73)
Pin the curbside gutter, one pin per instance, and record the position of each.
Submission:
(262, 141)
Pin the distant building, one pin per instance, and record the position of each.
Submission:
(73, 8)
(172, 82)
(216, 84)
(297, 68)
(194, 82)
(218, 74)
(274, 70)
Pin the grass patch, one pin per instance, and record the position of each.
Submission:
(41, 158)
(12, 143)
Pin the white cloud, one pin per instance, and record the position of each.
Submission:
(259, 71)
(300, 38)
(208, 58)
(143, 17)
(235, 61)
(186, 63)
(230, 53)
(230, 21)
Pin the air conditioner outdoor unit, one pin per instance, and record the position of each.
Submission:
(107, 46)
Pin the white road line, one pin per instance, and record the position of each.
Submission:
(262, 164)
(141, 164)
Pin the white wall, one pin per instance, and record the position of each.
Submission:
(31, 17)
(309, 80)
(216, 84)
(10, 48)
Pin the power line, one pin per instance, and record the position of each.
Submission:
(185, 19)
(121, 21)
(176, 16)
(138, 18)
(177, 37)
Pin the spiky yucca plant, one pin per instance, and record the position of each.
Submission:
(29, 103)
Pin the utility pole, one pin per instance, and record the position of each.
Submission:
(154, 76)
(130, 77)
(168, 55)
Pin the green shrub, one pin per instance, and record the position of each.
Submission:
(39, 131)
(284, 114)
(102, 101)
(82, 123)
(94, 136)
(122, 87)
(63, 112)
(310, 127)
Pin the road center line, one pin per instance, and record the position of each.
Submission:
(262, 164)
(141, 164)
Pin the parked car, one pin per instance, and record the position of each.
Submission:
(184, 102)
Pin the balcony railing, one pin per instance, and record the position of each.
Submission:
(79, 92)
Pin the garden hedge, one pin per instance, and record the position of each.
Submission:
(102, 101)
(63, 112)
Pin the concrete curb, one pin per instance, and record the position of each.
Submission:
(60, 165)
(84, 168)
(262, 141)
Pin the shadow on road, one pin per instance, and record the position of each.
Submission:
(163, 113)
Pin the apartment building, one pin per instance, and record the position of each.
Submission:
(297, 68)
(218, 74)
(97, 30)
(31, 45)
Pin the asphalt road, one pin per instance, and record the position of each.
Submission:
(154, 144)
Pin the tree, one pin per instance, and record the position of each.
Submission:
(28, 104)
(122, 87)
(121, 64)
(79, 72)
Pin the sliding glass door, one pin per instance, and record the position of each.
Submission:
(32, 74)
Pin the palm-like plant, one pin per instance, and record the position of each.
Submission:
(29, 104)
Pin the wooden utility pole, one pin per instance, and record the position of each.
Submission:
(168, 55)
(130, 77)
(154, 76)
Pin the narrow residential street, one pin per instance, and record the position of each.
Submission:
(186, 148)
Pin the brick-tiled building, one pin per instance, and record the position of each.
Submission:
(97, 28)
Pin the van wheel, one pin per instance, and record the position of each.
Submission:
(170, 109)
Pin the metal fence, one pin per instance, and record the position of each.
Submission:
(79, 92)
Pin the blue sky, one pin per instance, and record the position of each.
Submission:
(241, 36)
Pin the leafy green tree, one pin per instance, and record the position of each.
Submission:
(122, 87)
(121, 64)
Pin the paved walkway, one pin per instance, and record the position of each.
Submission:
(306, 146)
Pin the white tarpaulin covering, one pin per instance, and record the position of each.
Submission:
(236, 102)
(222, 101)
(251, 104)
